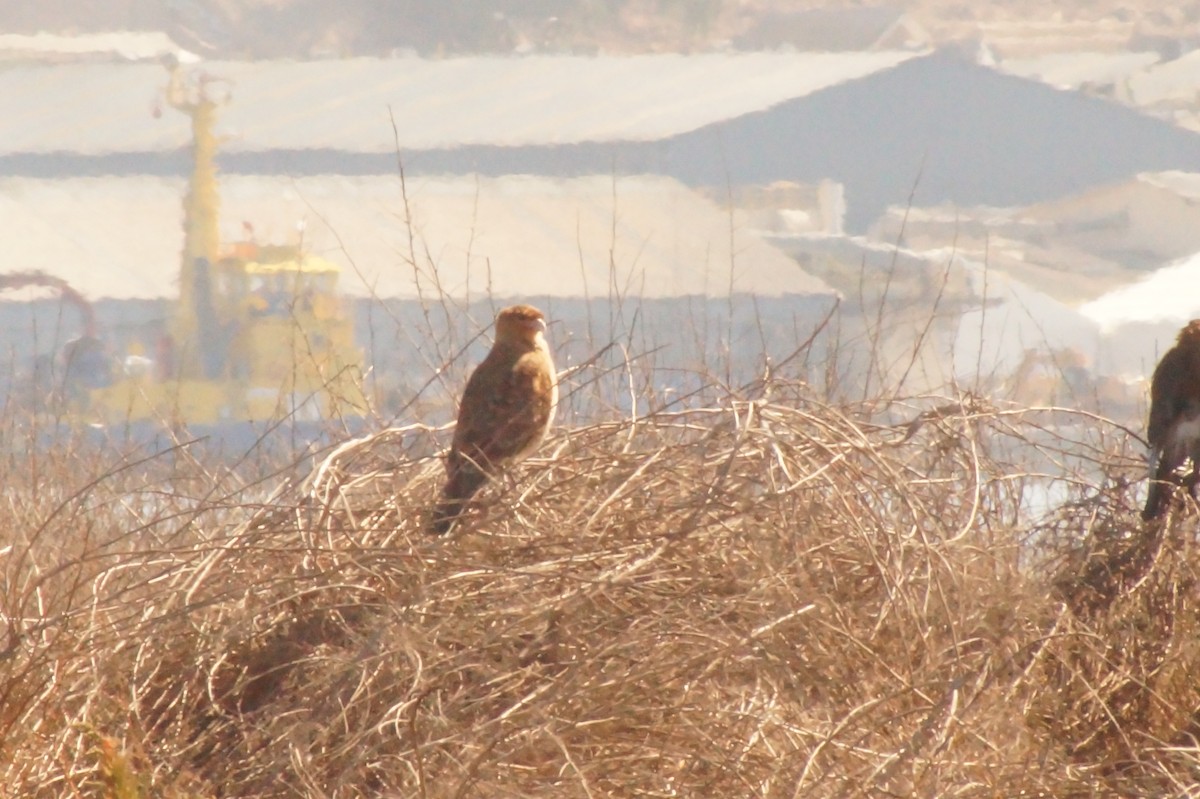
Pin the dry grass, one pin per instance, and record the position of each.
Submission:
(760, 598)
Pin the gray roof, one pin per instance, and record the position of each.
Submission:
(97, 108)
(935, 129)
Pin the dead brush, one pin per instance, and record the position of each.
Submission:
(757, 598)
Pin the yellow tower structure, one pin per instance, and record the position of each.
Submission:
(190, 94)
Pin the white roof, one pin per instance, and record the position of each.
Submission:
(121, 237)
(344, 104)
(1070, 70)
(1185, 184)
(1141, 320)
(1168, 295)
(1176, 80)
(132, 45)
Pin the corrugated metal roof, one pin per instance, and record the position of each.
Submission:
(103, 108)
(644, 236)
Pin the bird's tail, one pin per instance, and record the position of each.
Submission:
(1156, 501)
(459, 488)
(1160, 490)
(445, 515)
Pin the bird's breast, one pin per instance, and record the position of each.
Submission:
(1187, 430)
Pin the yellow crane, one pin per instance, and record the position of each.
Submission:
(259, 331)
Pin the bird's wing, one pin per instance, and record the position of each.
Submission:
(505, 409)
(1166, 396)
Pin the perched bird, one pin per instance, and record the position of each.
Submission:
(1174, 427)
(505, 411)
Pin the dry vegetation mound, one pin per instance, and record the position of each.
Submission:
(763, 598)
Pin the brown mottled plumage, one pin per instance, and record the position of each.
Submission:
(1174, 427)
(505, 412)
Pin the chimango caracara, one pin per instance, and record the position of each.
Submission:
(1174, 429)
(505, 412)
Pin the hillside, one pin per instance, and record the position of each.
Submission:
(764, 594)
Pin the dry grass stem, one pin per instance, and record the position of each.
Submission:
(772, 598)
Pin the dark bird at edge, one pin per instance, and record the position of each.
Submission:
(1174, 427)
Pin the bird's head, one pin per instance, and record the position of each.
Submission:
(521, 324)
(1190, 333)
